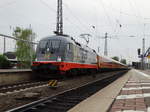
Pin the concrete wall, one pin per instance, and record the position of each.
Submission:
(9, 77)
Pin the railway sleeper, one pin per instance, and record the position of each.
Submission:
(66, 101)
(49, 108)
(72, 97)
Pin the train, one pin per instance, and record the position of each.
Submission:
(61, 55)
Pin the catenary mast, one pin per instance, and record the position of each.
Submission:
(59, 26)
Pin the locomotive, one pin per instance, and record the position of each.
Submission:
(61, 55)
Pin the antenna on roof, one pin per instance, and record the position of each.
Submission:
(59, 26)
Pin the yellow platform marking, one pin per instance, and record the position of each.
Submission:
(52, 83)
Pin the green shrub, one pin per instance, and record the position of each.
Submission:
(4, 63)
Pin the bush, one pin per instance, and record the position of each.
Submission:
(4, 63)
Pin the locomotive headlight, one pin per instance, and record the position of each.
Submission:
(59, 59)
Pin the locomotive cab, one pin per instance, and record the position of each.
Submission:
(51, 49)
(51, 52)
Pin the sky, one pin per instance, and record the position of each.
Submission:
(125, 21)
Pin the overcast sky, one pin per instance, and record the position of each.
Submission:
(119, 18)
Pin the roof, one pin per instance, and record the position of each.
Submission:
(70, 40)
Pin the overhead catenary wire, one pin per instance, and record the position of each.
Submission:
(8, 3)
(11, 37)
(138, 11)
(77, 19)
(84, 28)
(117, 26)
(108, 18)
(123, 12)
(45, 4)
(19, 16)
(138, 14)
(75, 26)
(54, 11)
(85, 24)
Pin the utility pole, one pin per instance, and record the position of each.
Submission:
(4, 45)
(98, 48)
(31, 45)
(59, 26)
(143, 52)
(105, 47)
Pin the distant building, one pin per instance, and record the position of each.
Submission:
(138, 65)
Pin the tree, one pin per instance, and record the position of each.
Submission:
(4, 63)
(24, 50)
(115, 58)
(123, 61)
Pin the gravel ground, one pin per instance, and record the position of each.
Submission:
(10, 101)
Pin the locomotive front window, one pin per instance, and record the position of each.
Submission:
(43, 44)
(55, 44)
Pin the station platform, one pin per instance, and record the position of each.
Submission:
(14, 70)
(129, 93)
(11, 76)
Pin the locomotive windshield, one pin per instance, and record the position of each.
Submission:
(49, 46)
(43, 44)
(54, 44)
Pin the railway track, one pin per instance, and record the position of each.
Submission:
(8, 89)
(66, 100)
(22, 86)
